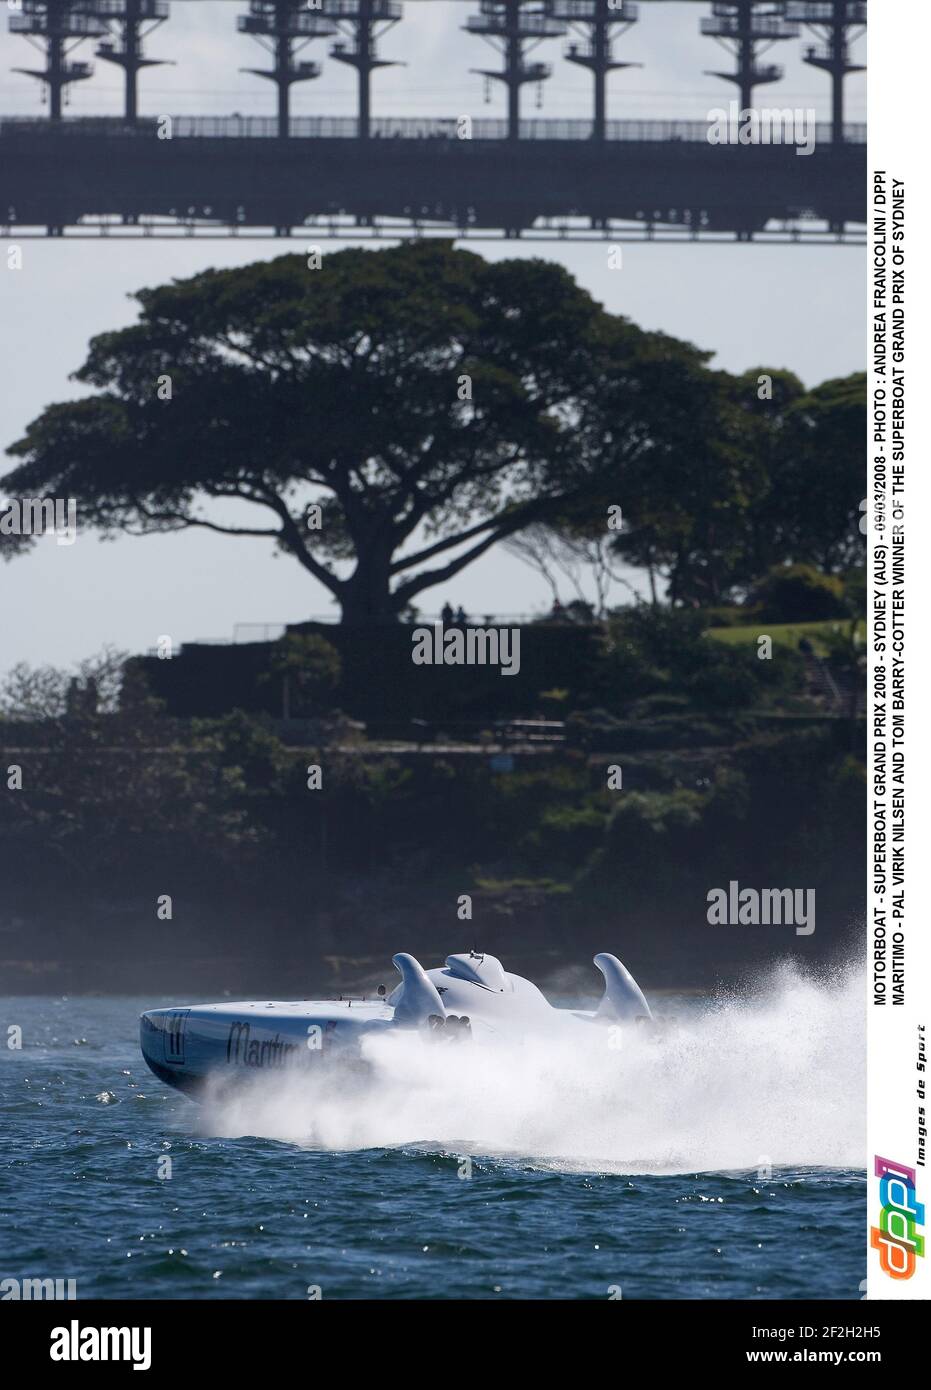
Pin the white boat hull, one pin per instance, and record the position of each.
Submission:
(470, 999)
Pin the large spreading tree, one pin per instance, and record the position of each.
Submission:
(429, 403)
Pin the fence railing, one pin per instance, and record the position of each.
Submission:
(382, 128)
(246, 632)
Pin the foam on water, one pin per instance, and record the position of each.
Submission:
(775, 1076)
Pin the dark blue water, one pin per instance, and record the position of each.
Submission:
(86, 1131)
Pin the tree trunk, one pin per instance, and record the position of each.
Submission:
(366, 596)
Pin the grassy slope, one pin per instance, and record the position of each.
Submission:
(784, 634)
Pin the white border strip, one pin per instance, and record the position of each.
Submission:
(899, 900)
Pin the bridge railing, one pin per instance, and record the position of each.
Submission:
(382, 128)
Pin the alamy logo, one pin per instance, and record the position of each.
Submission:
(766, 125)
(472, 646)
(40, 516)
(77, 1343)
(896, 1237)
(734, 906)
(37, 1289)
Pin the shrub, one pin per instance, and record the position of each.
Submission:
(798, 594)
(309, 668)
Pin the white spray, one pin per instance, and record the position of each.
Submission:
(775, 1077)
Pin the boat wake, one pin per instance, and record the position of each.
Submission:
(772, 1078)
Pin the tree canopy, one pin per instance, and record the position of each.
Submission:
(388, 416)
(773, 475)
(428, 402)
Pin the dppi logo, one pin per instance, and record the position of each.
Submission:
(896, 1237)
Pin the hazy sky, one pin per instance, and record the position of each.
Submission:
(797, 307)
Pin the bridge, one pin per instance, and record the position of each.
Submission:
(368, 176)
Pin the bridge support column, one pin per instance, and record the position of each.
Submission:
(833, 24)
(364, 21)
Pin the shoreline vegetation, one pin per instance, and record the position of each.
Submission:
(194, 853)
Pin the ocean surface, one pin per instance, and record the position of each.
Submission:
(720, 1159)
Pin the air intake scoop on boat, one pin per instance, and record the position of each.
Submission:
(419, 999)
(623, 998)
(478, 970)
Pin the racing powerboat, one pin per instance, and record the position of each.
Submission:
(471, 998)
